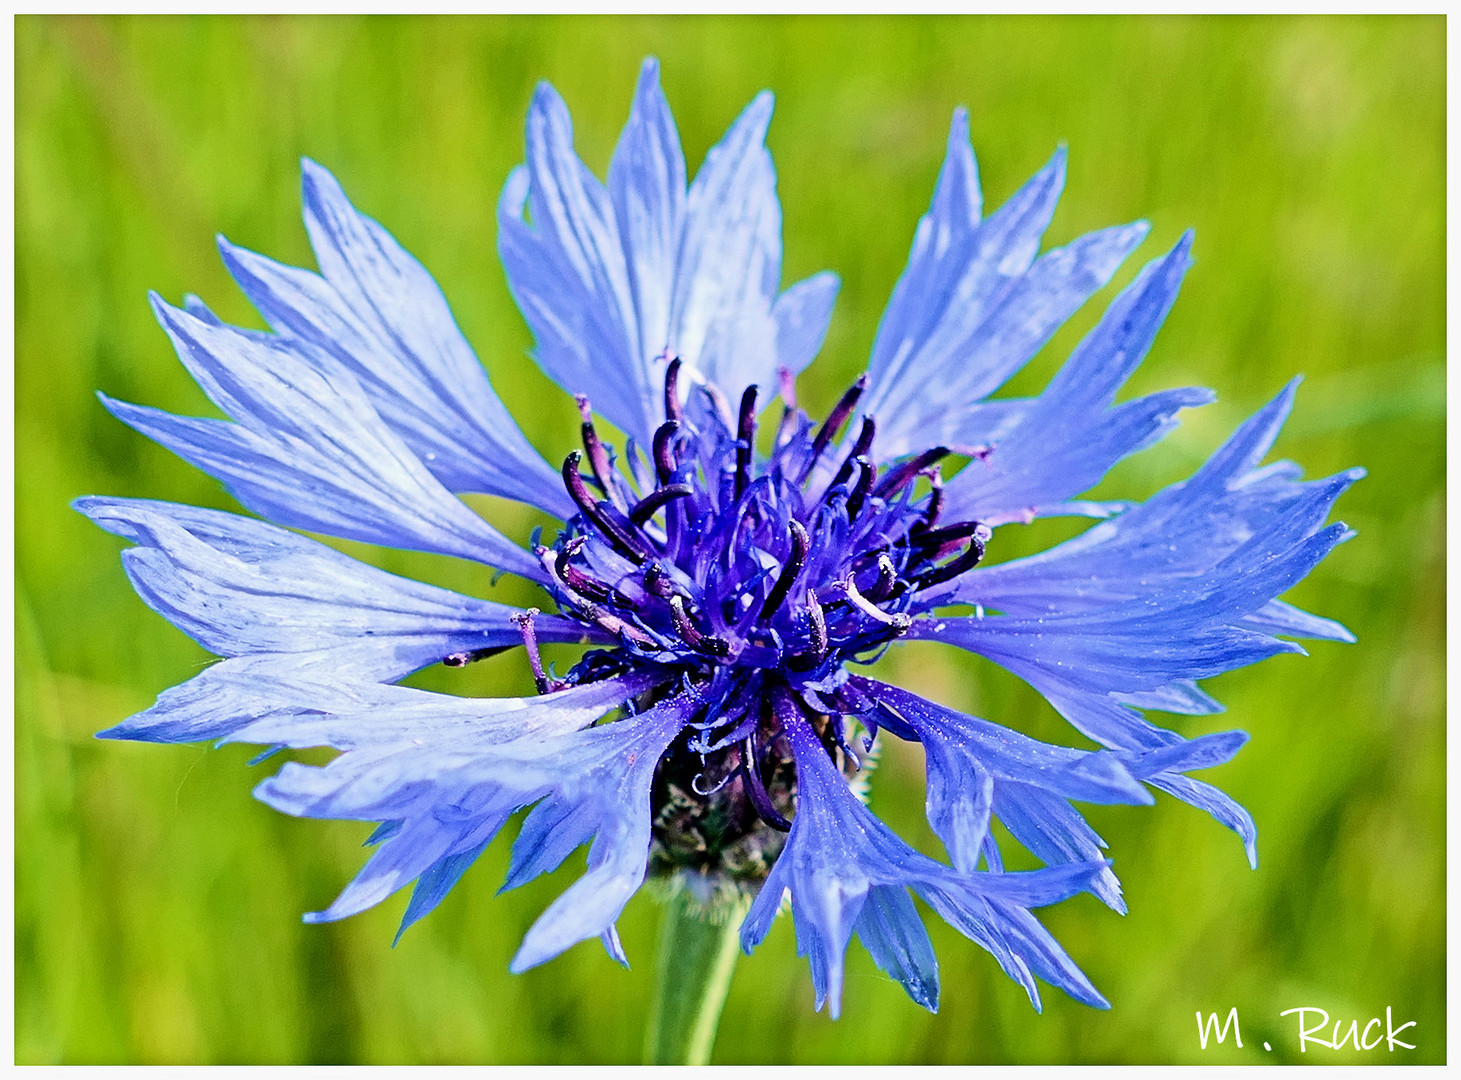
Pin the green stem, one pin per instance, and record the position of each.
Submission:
(697, 956)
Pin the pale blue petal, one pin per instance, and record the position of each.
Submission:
(283, 605)
(647, 187)
(803, 313)
(309, 449)
(729, 265)
(891, 930)
(377, 312)
(1067, 439)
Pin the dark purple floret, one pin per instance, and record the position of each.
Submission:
(755, 579)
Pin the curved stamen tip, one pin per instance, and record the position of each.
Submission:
(658, 582)
(690, 634)
(672, 387)
(745, 436)
(818, 623)
(887, 578)
(838, 416)
(755, 787)
(801, 544)
(663, 450)
(648, 506)
(621, 541)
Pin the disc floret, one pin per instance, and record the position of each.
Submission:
(756, 578)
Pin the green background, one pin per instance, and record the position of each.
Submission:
(157, 904)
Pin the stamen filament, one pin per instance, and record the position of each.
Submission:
(859, 449)
(598, 456)
(954, 567)
(524, 622)
(887, 578)
(800, 545)
(818, 626)
(650, 504)
(664, 453)
(672, 391)
(900, 621)
(745, 436)
(858, 495)
(617, 537)
(900, 476)
(756, 788)
(835, 419)
(691, 636)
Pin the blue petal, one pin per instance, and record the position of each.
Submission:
(971, 763)
(1276, 617)
(1206, 797)
(1160, 628)
(615, 779)
(803, 313)
(309, 449)
(1181, 532)
(729, 265)
(282, 605)
(452, 771)
(838, 853)
(305, 712)
(1154, 755)
(971, 309)
(377, 312)
(614, 281)
(647, 188)
(893, 934)
(435, 882)
(568, 274)
(1067, 439)
(1015, 937)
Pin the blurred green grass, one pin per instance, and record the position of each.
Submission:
(157, 905)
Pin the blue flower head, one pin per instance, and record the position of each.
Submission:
(714, 729)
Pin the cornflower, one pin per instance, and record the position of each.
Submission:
(716, 730)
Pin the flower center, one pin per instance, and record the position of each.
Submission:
(703, 559)
(756, 581)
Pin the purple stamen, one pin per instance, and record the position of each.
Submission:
(524, 622)
(899, 621)
(954, 567)
(800, 545)
(818, 626)
(598, 456)
(860, 489)
(837, 417)
(692, 637)
(615, 625)
(664, 453)
(658, 582)
(935, 504)
(887, 578)
(937, 538)
(745, 435)
(672, 390)
(859, 449)
(647, 507)
(900, 476)
(756, 788)
(616, 536)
